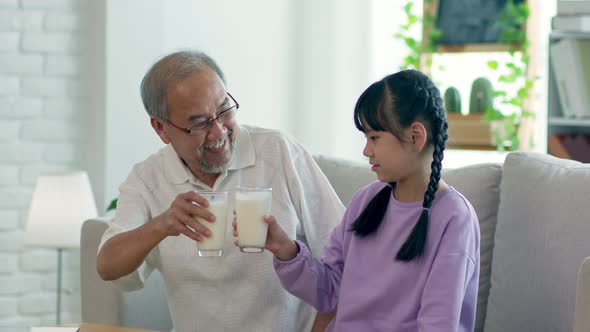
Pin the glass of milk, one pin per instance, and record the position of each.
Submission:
(251, 206)
(213, 245)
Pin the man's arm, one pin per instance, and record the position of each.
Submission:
(124, 252)
(322, 320)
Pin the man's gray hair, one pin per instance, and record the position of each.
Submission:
(167, 71)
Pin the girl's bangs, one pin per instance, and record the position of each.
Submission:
(367, 110)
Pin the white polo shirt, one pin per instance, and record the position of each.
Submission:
(238, 291)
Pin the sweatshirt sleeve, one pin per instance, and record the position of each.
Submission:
(449, 298)
(316, 282)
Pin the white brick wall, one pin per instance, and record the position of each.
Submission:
(9, 41)
(10, 20)
(10, 221)
(8, 3)
(32, 20)
(9, 263)
(9, 85)
(18, 107)
(41, 88)
(8, 176)
(18, 63)
(8, 307)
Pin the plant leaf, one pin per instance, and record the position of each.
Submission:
(112, 205)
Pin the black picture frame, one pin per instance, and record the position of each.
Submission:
(469, 22)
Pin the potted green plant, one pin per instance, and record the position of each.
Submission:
(506, 125)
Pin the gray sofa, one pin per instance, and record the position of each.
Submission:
(535, 233)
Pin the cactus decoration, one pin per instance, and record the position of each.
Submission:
(482, 96)
(452, 100)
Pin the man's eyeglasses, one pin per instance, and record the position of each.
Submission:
(204, 126)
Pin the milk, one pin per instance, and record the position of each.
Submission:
(213, 245)
(251, 206)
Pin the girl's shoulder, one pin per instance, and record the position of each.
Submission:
(454, 206)
(454, 200)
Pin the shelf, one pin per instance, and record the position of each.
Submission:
(476, 48)
(572, 122)
(569, 34)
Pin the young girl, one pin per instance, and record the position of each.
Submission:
(406, 255)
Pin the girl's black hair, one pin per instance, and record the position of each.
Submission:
(392, 104)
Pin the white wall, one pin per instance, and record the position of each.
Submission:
(127, 38)
(134, 35)
(252, 41)
(333, 66)
(43, 125)
(297, 66)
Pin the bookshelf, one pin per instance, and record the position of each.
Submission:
(557, 123)
(560, 121)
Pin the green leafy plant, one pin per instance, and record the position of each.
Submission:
(113, 205)
(417, 47)
(505, 127)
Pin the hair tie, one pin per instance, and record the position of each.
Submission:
(425, 209)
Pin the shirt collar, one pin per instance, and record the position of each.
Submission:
(243, 156)
(244, 153)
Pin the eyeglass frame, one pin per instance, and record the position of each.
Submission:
(207, 123)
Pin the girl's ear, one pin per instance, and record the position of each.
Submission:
(158, 126)
(418, 136)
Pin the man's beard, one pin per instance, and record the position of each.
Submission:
(216, 169)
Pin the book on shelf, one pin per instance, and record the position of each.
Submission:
(570, 62)
(573, 7)
(570, 146)
(572, 23)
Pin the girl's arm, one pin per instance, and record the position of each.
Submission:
(316, 282)
(450, 295)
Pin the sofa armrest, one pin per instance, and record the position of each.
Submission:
(101, 300)
(582, 318)
(104, 303)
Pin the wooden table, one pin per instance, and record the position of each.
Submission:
(91, 327)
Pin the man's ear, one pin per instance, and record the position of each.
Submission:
(158, 126)
(418, 136)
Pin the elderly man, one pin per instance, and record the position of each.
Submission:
(190, 109)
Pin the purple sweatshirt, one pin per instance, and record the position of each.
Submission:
(374, 292)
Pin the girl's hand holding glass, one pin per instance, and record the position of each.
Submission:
(277, 240)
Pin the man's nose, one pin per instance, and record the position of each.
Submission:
(216, 130)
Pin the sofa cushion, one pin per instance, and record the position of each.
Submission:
(480, 184)
(345, 176)
(541, 239)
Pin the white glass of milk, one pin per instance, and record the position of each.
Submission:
(213, 245)
(251, 206)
